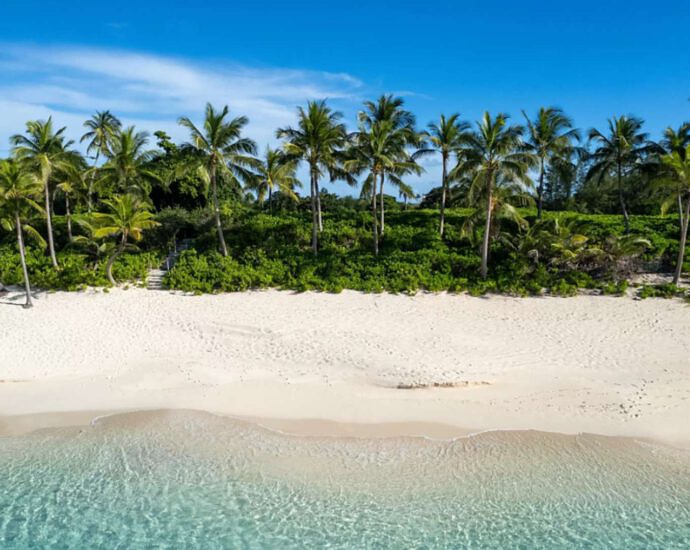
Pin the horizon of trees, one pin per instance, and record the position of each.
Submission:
(492, 166)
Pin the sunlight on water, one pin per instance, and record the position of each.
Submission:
(183, 480)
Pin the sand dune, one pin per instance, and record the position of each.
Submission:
(613, 366)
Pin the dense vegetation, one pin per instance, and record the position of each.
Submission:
(519, 209)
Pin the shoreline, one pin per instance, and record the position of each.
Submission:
(299, 428)
(434, 365)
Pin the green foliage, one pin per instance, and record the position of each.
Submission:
(76, 270)
(664, 290)
(272, 251)
(615, 288)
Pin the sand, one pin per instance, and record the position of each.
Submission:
(352, 364)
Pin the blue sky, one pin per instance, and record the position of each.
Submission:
(151, 61)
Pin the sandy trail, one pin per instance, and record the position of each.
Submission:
(605, 365)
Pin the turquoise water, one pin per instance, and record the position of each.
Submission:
(191, 480)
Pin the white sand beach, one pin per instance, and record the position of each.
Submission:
(432, 364)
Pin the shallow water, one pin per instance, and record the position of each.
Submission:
(183, 480)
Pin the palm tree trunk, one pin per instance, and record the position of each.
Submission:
(444, 159)
(487, 228)
(373, 213)
(314, 214)
(216, 207)
(89, 198)
(109, 266)
(68, 214)
(22, 256)
(680, 210)
(683, 241)
(317, 192)
(383, 214)
(540, 191)
(621, 198)
(49, 224)
(270, 197)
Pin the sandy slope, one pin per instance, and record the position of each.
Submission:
(606, 365)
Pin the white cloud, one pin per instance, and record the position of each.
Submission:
(151, 91)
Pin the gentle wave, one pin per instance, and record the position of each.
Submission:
(187, 479)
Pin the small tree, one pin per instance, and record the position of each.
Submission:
(127, 216)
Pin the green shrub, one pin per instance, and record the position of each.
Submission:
(76, 270)
(664, 290)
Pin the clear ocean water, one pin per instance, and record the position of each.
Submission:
(192, 480)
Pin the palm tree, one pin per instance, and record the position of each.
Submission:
(678, 164)
(102, 129)
(378, 149)
(549, 137)
(218, 148)
(127, 216)
(129, 166)
(389, 108)
(276, 173)
(494, 153)
(446, 137)
(507, 196)
(42, 149)
(318, 140)
(71, 184)
(618, 153)
(677, 141)
(406, 192)
(18, 187)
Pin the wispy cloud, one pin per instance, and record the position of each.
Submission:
(151, 91)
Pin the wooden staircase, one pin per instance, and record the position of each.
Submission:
(154, 279)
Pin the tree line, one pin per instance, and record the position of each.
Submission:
(492, 166)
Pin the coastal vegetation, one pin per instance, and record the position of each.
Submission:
(518, 208)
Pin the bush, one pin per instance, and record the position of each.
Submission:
(273, 250)
(76, 270)
(664, 290)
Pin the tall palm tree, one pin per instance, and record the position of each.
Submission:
(18, 187)
(42, 149)
(102, 129)
(494, 152)
(317, 140)
(390, 108)
(129, 166)
(70, 178)
(672, 142)
(387, 107)
(127, 216)
(277, 172)
(218, 148)
(618, 153)
(378, 149)
(549, 137)
(446, 137)
(678, 164)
